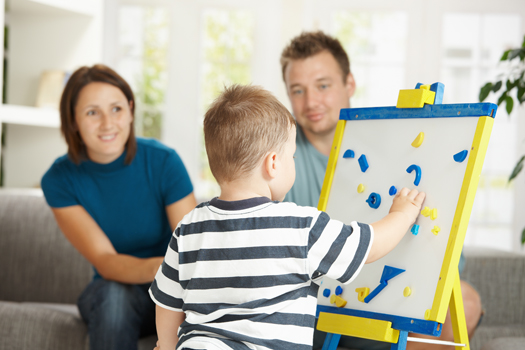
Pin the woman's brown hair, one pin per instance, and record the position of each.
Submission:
(78, 80)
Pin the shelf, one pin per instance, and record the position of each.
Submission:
(81, 7)
(33, 116)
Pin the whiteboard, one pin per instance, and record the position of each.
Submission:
(386, 141)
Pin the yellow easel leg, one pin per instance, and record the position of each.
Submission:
(457, 314)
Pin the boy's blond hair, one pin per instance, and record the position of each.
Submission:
(241, 126)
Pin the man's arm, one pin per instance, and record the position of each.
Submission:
(168, 323)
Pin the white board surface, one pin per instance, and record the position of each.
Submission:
(387, 147)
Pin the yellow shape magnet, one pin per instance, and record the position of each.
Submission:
(362, 293)
(418, 140)
(339, 302)
(436, 230)
(360, 188)
(425, 212)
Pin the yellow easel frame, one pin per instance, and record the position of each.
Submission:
(448, 291)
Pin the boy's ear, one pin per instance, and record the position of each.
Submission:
(270, 165)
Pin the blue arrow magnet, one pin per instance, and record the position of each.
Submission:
(389, 272)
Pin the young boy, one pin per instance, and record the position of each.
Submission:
(240, 270)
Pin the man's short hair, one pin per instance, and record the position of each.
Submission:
(242, 126)
(308, 44)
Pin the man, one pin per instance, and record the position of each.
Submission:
(316, 72)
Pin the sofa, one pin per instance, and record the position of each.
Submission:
(42, 276)
(499, 277)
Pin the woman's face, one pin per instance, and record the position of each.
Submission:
(103, 118)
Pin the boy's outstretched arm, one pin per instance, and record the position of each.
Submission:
(389, 231)
(168, 323)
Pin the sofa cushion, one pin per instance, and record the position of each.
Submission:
(47, 327)
(505, 344)
(24, 326)
(485, 334)
(38, 263)
(498, 277)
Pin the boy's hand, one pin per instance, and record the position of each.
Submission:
(408, 202)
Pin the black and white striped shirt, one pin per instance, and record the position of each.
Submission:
(242, 272)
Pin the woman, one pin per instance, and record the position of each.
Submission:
(117, 199)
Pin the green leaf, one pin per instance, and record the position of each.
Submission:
(521, 81)
(523, 236)
(513, 54)
(484, 91)
(505, 56)
(509, 104)
(521, 92)
(523, 43)
(509, 85)
(497, 86)
(517, 169)
(502, 97)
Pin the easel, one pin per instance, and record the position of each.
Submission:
(391, 329)
(394, 329)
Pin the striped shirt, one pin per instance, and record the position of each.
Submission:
(242, 272)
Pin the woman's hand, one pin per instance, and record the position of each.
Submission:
(88, 238)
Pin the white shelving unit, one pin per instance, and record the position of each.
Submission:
(43, 35)
(66, 7)
(23, 115)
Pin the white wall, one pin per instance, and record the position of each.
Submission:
(2, 6)
(29, 152)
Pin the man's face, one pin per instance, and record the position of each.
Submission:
(317, 92)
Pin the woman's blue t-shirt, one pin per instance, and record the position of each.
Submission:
(128, 202)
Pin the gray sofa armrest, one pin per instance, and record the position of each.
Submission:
(505, 343)
(38, 263)
(499, 277)
(26, 326)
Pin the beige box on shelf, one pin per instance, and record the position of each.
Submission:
(50, 88)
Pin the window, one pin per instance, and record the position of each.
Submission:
(227, 51)
(143, 34)
(376, 44)
(472, 46)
